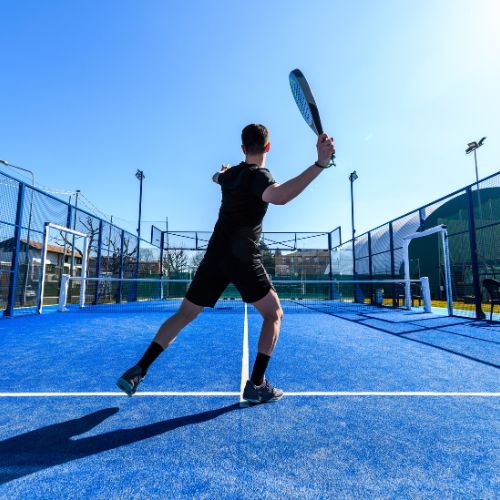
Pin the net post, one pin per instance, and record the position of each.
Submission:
(63, 293)
(426, 294)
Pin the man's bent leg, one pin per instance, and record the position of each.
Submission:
(166, 334)
(168, 331)
(258, 389)
(272, 314)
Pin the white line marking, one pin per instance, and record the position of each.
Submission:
(244, 358)
(232, 394)
(393, 394)
(84, 394)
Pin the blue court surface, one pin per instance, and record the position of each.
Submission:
(382, 404)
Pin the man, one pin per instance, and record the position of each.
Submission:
(233, 256)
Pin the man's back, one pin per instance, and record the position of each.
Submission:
(242, 208)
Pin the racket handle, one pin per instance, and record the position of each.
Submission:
(332, 159)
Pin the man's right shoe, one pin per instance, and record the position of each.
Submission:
(130, 380)
(264, 393)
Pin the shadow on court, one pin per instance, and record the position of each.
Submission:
(443, 338)
(53, 445)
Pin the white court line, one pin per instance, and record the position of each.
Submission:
(393, 394)
(112, 394)
(244, 358)
(327, 394)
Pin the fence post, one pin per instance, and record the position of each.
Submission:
(421, 216)
(11, 300)
(98, 263)
(474, 260)
(354, 258)
(120, 287)
(370, 264)
(137, 268)
(330, 270)
(393, 265)
(162, 243)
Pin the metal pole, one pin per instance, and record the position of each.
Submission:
(352, 177)
(473, 147)
(28, 244)
(72, 261)
(11, 301)
(27, 260)
(474, 260)
(140, 175)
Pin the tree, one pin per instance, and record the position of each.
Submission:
(175, 261)
(267, 258)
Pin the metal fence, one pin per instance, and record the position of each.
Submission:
(471, 214)
(24, 211)
(472, 217)
(302, 255)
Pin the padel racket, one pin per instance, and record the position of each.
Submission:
(304, 98)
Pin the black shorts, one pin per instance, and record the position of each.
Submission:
(217, 271)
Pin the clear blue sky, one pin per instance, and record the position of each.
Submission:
(90, 91)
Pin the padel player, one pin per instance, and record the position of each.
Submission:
(233, 256)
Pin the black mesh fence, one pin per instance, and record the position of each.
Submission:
(472, 219)
(24, 213)
(286, 255)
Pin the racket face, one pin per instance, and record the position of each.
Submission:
(305, 100)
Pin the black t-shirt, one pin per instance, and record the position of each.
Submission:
(239, 225)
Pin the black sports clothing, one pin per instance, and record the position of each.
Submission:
(152, 352)
(259, 368)
(216, 271)
(233, 254)
(242, 205)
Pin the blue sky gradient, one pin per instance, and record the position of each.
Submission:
(91, 91)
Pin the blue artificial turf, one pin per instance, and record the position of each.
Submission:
(324, 353)
(73, 352)
(210, 448)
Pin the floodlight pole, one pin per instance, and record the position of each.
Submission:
(473, 147)
(352, 177)
(140, 175)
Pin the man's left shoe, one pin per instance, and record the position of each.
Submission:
(130, 380)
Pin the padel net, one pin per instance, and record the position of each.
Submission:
(115, 295)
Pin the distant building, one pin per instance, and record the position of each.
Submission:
(58, 257)
(302, 263)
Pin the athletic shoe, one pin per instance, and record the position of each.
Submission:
(264, 393)
(130, 380)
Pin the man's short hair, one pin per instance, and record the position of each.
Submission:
(255, 138)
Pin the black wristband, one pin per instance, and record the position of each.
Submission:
(320, 166)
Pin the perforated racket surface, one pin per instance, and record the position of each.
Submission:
(306, 103)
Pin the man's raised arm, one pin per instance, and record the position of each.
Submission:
(279, 194)
(223, 168)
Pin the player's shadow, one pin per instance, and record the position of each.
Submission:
(53, 445)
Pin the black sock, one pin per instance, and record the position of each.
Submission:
(259, 368)
(152, 352)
